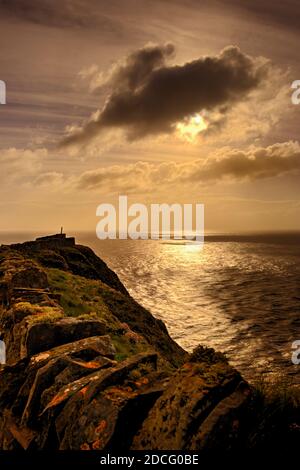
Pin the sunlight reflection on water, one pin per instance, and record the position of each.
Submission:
(240, 298)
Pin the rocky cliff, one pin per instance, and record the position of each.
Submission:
(89, 368)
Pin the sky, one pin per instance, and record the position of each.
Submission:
(165, 101)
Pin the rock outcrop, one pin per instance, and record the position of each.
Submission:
(90, 369)
(203, 401)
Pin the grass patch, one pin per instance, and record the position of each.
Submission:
(48, 317)
(80, 297)
(37, 313)
(125, 348)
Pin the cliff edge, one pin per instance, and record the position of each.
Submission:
(88, 368)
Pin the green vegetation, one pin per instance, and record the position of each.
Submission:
(80, 297)
(36, 313)
(87, 299)
(49, 316)
(126, 348)
(10, 262)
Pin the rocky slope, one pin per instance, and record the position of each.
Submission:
(89, 368)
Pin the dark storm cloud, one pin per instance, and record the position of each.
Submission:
(149, 97)
(60, 13)
(137, 67)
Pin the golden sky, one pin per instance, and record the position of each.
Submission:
(164, 101)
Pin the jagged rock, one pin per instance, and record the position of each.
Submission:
(13, 434)
(18, 272)
(222, 429)
(33, 296)
(86, 351)
(42, 336)
(17, 321)
(31, 277)
(11, 379)
(56, 374)
(44, 378)
(28, 386)
(104, 422)
(200, 398)
(99, 380)
(51, 259)
(103, 405)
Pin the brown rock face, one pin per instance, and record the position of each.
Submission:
(200, 398)
(42, 336)
(31, 277)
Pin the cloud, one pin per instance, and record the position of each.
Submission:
(58, 13)
(253, 164)
(50, 180)
(121, 177)
(268, 12)
(27, 167)
(148, 97)
(280, 13)
(20, 164)
(132, 72)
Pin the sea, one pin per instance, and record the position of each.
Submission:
(239, 294)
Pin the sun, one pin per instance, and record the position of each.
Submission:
(191, 127)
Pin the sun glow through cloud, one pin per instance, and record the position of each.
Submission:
(190, 128)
